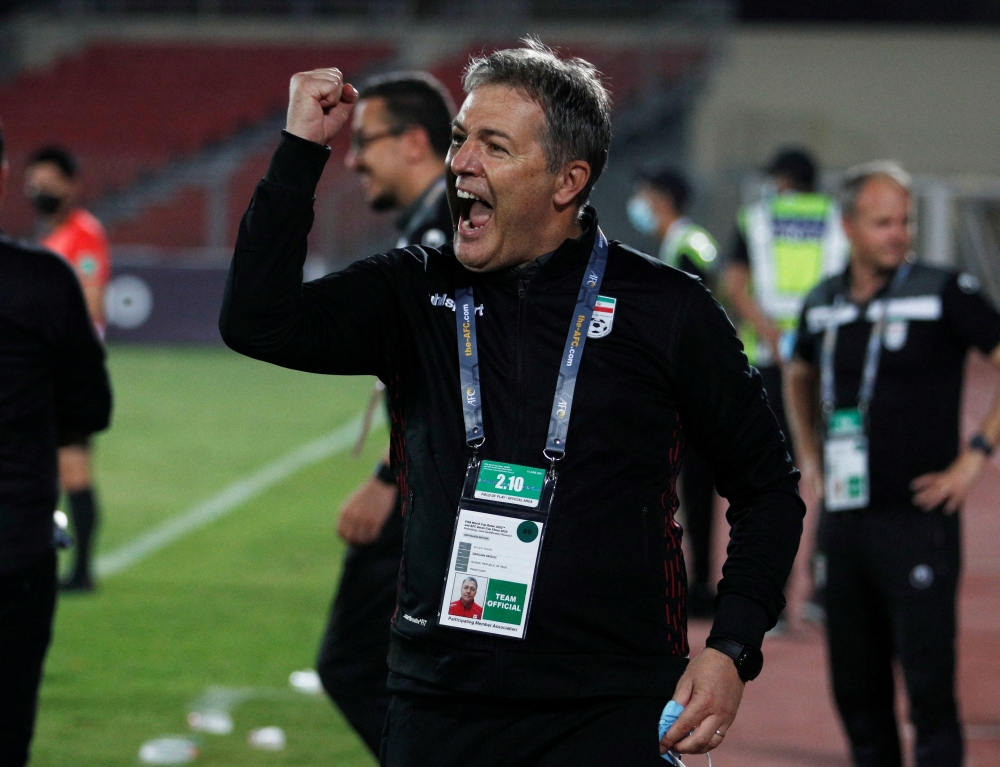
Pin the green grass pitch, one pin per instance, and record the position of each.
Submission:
(239, 603)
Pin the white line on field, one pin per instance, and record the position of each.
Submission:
(231, 498)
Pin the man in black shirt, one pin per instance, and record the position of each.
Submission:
(582, 677)
(400, 134)
(53, 389)
(879, 362)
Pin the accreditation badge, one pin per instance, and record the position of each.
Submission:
(495, 548)
(845, 458)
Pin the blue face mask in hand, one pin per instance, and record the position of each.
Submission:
(671, 711)
(641, 216)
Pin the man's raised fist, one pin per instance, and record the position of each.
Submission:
(319, 103)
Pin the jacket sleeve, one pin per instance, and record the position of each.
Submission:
(340, 324)
(726, 419)
(82, 389)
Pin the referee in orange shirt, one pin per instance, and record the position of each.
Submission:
(52, 185)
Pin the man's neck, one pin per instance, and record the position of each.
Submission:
(866, 281)
(417, 181)
(666, 224)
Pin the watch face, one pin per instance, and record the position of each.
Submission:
(750, 663)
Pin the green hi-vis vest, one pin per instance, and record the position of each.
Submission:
(685, 238)
(794, 240)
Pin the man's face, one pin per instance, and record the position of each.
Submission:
(499, 183)
(879, 227)
(469, 590)
(46, 179)
(376, 153)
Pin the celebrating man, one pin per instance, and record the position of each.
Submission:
(544, 458)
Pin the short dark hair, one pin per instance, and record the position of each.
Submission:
(576, 104)
(59, 157)
(669, 182)
(798, 166)
(415, 98)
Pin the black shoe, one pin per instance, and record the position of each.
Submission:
(700, 601)
(78, 583)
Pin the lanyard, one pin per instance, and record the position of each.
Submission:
(872, 355)
(468, 356)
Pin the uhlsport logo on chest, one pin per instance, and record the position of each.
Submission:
(604, 317)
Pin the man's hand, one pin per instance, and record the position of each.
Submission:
(710, 692)
(949, 486)
(772, 337)
(364, 514)
(319, 103)
(812, 478)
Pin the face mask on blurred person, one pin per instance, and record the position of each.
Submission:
(641, 216)
(46, 204)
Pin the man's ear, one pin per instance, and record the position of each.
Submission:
(572, 179)
(416, 144)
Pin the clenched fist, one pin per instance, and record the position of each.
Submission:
(319, 103)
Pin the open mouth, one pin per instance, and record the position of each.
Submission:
(473, 211)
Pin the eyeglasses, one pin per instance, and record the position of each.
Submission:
(360, 143)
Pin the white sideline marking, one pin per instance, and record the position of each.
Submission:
(229, 499)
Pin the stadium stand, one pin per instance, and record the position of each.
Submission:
(180, 221)
(129, 109)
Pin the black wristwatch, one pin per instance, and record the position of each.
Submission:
(384, 473)
(749, 660)
(979, 443)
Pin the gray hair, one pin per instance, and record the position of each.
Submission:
(470, 578)
(576, 104)
(857, 176)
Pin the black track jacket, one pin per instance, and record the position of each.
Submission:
(608, 614)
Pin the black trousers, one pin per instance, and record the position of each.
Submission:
(892, 577)
(352, 657)
(490, 732)
(27, 605)
(698, 499)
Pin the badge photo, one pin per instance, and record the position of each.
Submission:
(603, 317)
(896, 332)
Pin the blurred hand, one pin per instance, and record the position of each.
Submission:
(948, 487)
(710, 692)
(812, 479)
(364, 514)
(772, 337)
(319, 104)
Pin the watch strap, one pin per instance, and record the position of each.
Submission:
(384, 473)
(725, 646)
(980, 443)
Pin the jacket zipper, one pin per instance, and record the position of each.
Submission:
(522, 286)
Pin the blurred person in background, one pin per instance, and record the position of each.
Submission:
(659, 207)
(785, 243)
(53, 186)
(878, 365)
(400, 134)
(53, 390)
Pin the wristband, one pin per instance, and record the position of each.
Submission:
(384, 473)
(979, 443)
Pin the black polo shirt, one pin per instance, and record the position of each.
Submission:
(933, 319)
